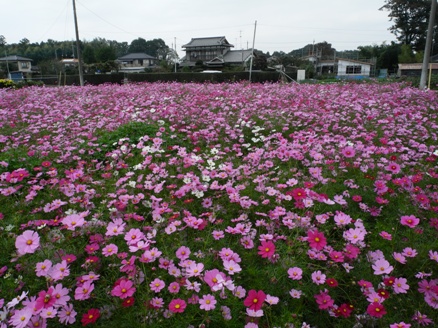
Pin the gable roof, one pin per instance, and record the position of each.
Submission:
(237, 56)
(134, 56)
(208, 42)
(14, 58)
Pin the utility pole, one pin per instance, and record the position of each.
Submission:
(252, 53)
(78, 48)
(426, 56)
(176, 54)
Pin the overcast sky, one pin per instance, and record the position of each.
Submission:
(282, 25)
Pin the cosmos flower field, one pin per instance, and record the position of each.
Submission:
(219, 205)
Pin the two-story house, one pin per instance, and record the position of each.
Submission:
(136, 62)
(17, 67)
(213, 52)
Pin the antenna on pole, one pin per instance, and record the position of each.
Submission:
(252, 51)
(78, 48)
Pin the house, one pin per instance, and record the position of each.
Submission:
(414, 69)
(343, 68)
(214, 52)
(136, 62)
(17, 67)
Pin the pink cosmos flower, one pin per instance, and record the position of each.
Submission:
(43, 268)
(318, 277)
(157, 285)
(272, 300)
(348, 152)
(409, 221)
(409, 252)
(61, 295)
(400, 325)
(399, 257)
(382, 266)
(133, 236)
(316, 239)
(156, 302)
(400, 286)
(422, 319)
(232, 267)
(83, 292)
(294, 293)
(324, 300)
(27, 242)
(21, 318)
(67, 315)
(255, 299)
(173, 288)
(266, 249)
(392, 167)
(125, 288)
(376, 310)
(295, 273)
(73, 221)
(385, 235)
(183, 253)
(177, 306)
(194, 269)
(207, 302)
(109, 250)
(45, 299)
(59, 271)
(210, 277)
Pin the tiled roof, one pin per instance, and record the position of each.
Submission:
(208, 42)
(135, 55)
(14, 58)
(237, 56)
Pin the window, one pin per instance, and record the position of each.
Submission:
(24, 65)
(356, 69)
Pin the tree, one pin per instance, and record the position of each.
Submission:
(138, 45)
(410, 19)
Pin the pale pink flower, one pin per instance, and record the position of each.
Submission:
(207, 302)
(43, 268)
(294, 293)
(382, 266)
(109, 250)
(232, 267)
(399, 257)
(409, 252)
(21, 318)
(27, 242)
(73, 221)
(67, 315)
(400, 286)
(183, 253)
(194, 269)
(295, 273)
(318, 277)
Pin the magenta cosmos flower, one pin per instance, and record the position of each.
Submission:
(409, 221)
(316, 239)
(27, 242)
(376, 309)
(255, 299)
(266, 249)
(124, 289)
(348, 152)
(177, 306)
